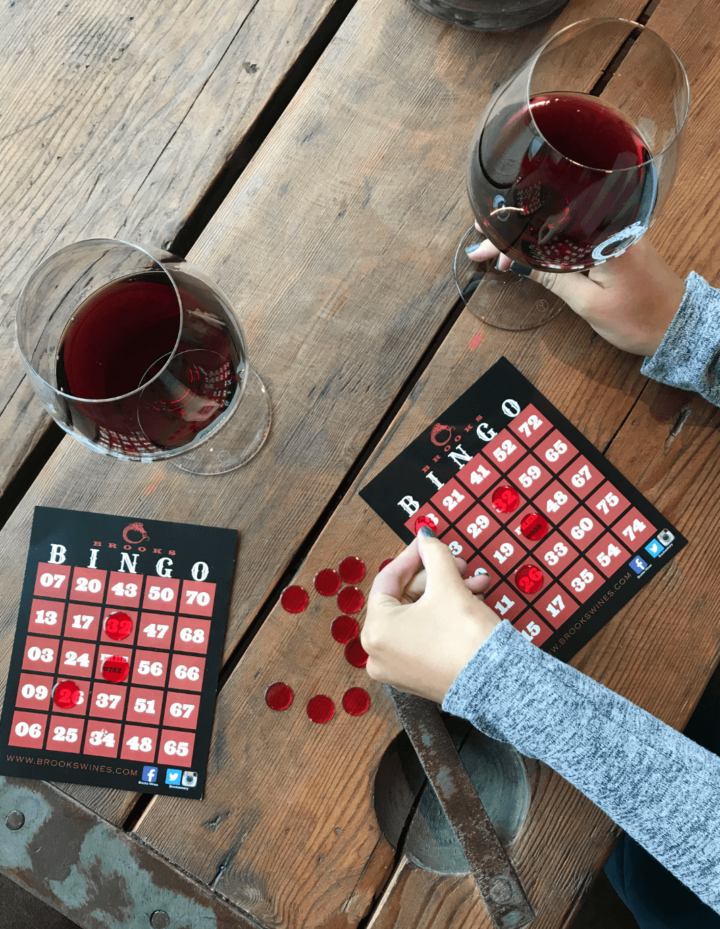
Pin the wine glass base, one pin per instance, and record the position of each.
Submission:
(506, 300)
(239, 439)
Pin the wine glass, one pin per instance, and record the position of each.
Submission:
(138, 355)
(573, 158)
(489, 15)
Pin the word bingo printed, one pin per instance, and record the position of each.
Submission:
(509, 485)
(117, 652)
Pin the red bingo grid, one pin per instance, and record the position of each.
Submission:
(524, 499)
(115, 664)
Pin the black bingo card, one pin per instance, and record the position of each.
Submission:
(115, 663)
(513, 488)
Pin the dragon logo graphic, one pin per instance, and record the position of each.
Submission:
(137, 528)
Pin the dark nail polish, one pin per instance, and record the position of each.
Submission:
(472, 248)
(520, 269)
(427, 531)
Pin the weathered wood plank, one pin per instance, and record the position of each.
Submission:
(566, 839)
(337, 235)
(116, 119)
(295, 811)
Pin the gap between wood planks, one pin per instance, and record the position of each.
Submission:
(181, 244)
(200, 217)
(624, 49)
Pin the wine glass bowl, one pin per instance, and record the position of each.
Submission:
(138, 355)
(576, 153)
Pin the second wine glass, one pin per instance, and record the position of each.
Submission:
(576, 153)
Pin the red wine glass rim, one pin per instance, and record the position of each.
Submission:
(101, 242)
(594, 21)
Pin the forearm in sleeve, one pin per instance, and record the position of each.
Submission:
(655, 783)
(689, 355)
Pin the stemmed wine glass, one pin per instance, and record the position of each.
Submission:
(573, 157)
(138, 355)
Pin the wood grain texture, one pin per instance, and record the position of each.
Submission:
(566, 839)
(320, 764)
(336, 247)
(266, 833)
(116, 119)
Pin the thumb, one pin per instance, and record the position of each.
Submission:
(575, 288)
(440, 566)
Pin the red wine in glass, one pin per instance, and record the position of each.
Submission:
(562, 183)
(137, 354)
(168, 383)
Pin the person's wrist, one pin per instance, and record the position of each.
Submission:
(477, 629)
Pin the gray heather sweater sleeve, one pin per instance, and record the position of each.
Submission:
(655, 783)
(689, 354)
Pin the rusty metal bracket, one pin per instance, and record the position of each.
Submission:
(94, 873)
(495, 877)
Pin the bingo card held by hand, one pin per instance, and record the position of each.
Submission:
(513, 488)
(114, 670)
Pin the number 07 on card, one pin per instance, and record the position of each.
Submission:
(508, 484)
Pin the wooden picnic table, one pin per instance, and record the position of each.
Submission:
(309, 155)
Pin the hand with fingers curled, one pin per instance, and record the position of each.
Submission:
(630, 300)
(424, 621)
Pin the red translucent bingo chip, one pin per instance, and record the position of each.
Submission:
(505, 499)
(534, 527)
(355, 653)
(321, 709)
(427, 515)
(279, 696)
(352, 570)
(423, 521)
(350, 600)
(529, 578)
(356, 701)
(294, 599)
(115, 669)
(118, 626)
(344, 628)
(66, 694)
(327, 582)
(385, 564)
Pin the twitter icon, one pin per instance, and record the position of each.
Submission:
(172, 776)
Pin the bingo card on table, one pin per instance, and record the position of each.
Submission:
(114, 670)
(513, 488)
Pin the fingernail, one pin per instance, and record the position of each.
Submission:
(472, 248)
(497, 264)
(520, 269)
(481, 571)
(427, 531)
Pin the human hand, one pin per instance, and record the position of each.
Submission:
(424, 624)
(629, 300)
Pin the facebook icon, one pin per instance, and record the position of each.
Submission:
(638, 565)
(150, 774)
